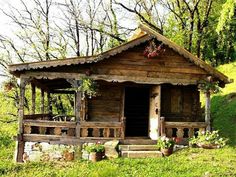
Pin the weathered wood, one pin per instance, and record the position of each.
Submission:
(185, 124)
(42, 102)
(208, 110)
(111, 78)
(100, 124)
(45, 123)
(33, 98)
(162, 123)
(37, 116)
(155, 112)
(63, 91)
(49, 99)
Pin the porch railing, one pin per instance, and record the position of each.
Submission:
(102, 130)
(181, 129)
(45, 125)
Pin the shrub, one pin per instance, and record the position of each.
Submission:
(165, 142)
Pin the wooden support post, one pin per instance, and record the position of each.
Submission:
(155, 112)
(49, 103)
(162, 124)
(20, 143)
(42, 102)
(208, 110)
(33, 98)
(77, 112)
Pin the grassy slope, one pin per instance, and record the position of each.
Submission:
(188, 162)
(224, 106)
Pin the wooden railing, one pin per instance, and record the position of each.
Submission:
(45, 127)
(181, 129)
(102, 130)
(91, 130)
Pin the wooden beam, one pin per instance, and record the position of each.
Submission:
(77, 112)
(185, 124)
(42, 102)
(208, 110)
(49, 99)
(20, 143)
(45, 123)
(63, 91)
(110, 78)
(39, 85)
(33, 98)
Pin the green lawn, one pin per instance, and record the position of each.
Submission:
(187, 162)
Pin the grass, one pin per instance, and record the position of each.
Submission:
(187, 162)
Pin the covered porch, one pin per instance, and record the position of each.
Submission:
(129, 112)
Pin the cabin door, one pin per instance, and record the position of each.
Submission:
(136, 111)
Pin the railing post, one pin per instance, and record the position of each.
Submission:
(162, 122)
(42, 102)
(33, 98)
(123, 122)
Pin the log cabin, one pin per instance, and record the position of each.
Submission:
(141, 95)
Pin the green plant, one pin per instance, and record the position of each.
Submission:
(165, 142)
(210, 86)
(95, 148)
(88, 87)
(208, 138)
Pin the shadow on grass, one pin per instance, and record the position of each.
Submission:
(223, 113)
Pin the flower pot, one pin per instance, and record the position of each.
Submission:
(208, 146)
(68, 156)
(95, 156)
(167, 152)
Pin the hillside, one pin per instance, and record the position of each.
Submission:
(223, 108)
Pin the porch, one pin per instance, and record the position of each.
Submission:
(105, 117)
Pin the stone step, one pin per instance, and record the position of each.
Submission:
(138, 148)
(138, 141)
(141, 154)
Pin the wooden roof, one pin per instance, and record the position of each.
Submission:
(150, 33)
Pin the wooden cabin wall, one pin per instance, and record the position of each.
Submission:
(169, 65)
(134, 62)
(106, 107)
(180, 103)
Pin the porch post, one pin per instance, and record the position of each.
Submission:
(49, 102)
(155, 112)
(33, 98)
(42, 102)
(77, 112)
(20, 143)
(208, 110)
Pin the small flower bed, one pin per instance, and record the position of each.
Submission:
(208, 140)
(165, 143)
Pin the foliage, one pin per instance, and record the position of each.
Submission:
(208, 138)
(98, 147)
(165, 142)
(226, 14)
(153, 50)
(209, 86)
(88, 87)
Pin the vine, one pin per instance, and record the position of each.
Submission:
(88, 87)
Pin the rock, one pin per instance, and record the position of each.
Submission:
(110, 149)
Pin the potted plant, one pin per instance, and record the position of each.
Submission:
(166, 145)
(96, 151)
(208, 140)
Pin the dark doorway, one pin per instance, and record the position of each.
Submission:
(136, 111)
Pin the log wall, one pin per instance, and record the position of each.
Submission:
(106, 107)
(180, 103)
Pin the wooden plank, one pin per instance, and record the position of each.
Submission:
(42, 102)
(112, 78)
(33, 98)
(185, 124)
(101, 124)
(45, 123)
(35, 116)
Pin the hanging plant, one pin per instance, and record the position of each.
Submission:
(153, 50)
(210, 86)
(9, 85)
(88, 87)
